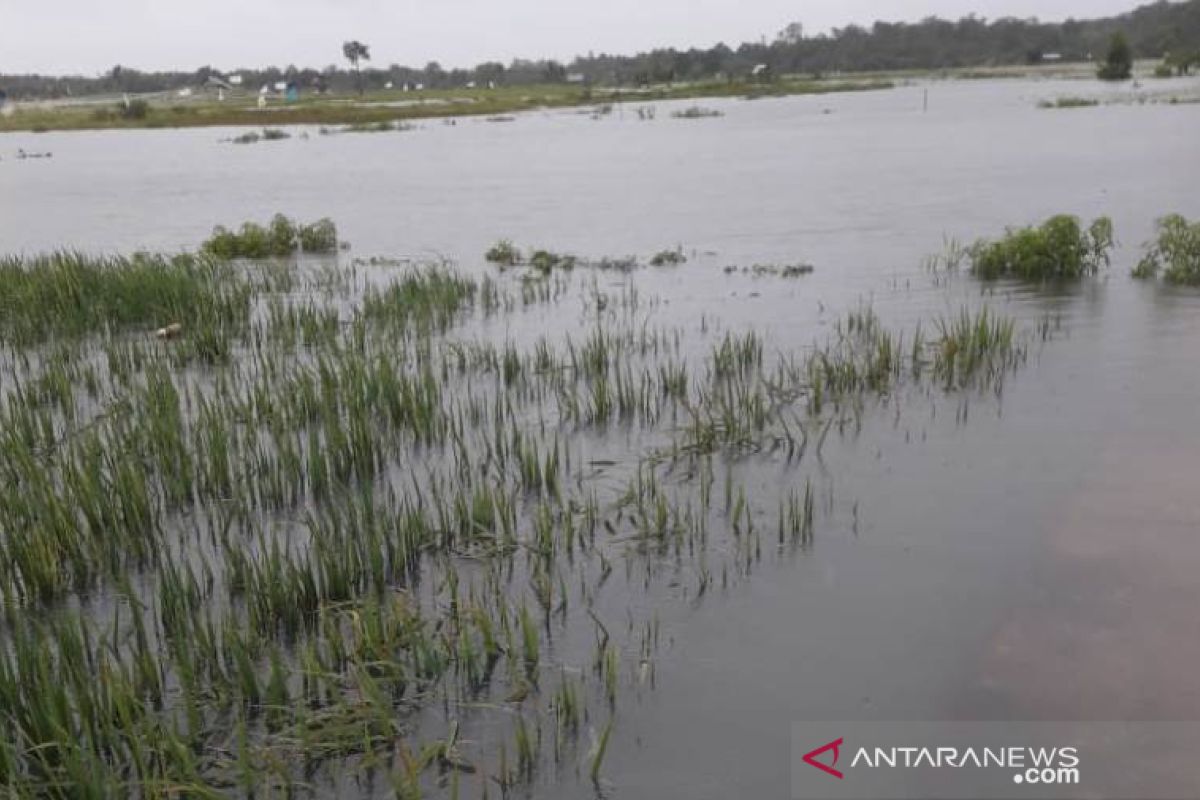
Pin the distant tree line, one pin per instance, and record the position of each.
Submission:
(1166, 30)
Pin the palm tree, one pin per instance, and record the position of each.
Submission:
(355, 51)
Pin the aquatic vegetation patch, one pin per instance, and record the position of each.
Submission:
(382, 126)
(780, 270)
(504, 253)
(1175, 253)
(1057, 249)
(1069, 102)
(266, 135)
(543, 262)
(668, 258)
(697, 112)
(282, 237)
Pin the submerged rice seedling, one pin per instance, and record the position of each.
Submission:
(70, 294)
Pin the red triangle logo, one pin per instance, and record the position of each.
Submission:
(810, 758)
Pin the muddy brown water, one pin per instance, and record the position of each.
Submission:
(1033, 556)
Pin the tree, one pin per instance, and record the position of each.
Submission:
(355, 51)
(1118, 65)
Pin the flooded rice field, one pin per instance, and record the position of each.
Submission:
(395, 521)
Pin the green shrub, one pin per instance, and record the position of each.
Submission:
(545, 261)
(282, 238)
(319, 237)
(1058, 248)
(1176, 252)
(504, 253)
(668, 258)
(134, 109)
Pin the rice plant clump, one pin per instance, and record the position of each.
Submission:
(70, 294)
(1175, 253)
(1058, 248)
(282, 237)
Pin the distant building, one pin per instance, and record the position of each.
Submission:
(215, 82)
(1051, 56)
(292, 92)
(235, 80)
(576, 77)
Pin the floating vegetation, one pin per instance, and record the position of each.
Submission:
(543, 262)
(267, 135)
(1069, 102)
(668, 258)
(504, 253)
(282, 237)
(697, 112)
(1175, 254)
(1058, 248)
(780, 270)
(383, 126)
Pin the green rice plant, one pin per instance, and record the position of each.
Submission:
(426, 298)
(1057, 249)
(975, 344)
(1175, 253)
(70, 294)
(598, 752)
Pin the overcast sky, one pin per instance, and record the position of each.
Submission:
(89, 36)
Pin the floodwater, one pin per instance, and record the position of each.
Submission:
(1032, 556)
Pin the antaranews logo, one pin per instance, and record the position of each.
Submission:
(932, 760)
(811, 756)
